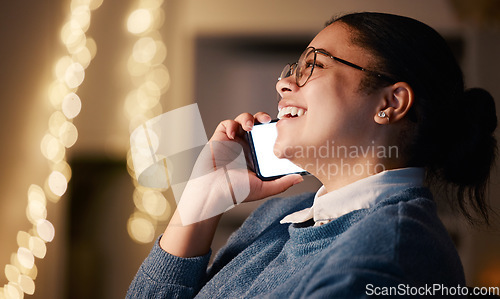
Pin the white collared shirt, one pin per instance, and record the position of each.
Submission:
(361, 194)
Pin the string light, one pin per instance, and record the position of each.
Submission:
(151, 80)
(69, 73)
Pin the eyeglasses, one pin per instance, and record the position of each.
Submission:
(308, 61)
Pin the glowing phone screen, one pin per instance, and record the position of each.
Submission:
(268, 165)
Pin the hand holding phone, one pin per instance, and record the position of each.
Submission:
(267, 166)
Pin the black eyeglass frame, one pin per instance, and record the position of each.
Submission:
(289, 69)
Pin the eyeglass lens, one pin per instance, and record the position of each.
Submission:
(303, 68)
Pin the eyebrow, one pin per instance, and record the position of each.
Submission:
(324, 51)
(335, 58)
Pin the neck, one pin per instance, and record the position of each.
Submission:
(335, 174)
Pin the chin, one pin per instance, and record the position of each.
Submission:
(278, 152)
(283, 150)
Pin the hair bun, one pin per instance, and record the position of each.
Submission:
(480, 107)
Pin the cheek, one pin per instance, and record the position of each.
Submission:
(330, 94)
(327, 109)
(339, 117)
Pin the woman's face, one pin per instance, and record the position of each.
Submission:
(337, 112)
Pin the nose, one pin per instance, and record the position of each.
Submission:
(286, 85)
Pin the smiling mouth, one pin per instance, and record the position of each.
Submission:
(291, 112)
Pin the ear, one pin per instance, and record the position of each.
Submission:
(398, 99)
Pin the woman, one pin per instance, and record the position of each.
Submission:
(366, 80)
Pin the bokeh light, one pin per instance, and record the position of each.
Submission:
(23, 238)
(95, 4)
(71, 105)
(139, 21)
(69, 74)
(82, 56)
(68, 134)
(154, 203)
(61, 66)
(56, 120)
(81, 16)
(160, 53)
(57, 91)
(25, 257)
(45, 230)
(144, 50)
(137, 69)
(160, 76)
(151, 81)
(73, 37)
(35, 193)
(62, 167)
(92, 46)
(26, 284)
(52, 148)
(12, 273)
(13, 290)
(74, 75)
(140, 228)
(57, 183)
(36, 211)
(37, 247)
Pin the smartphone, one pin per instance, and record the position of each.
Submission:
(266, 165)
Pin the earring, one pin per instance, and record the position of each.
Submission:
(384, 115)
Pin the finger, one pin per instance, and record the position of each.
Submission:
(228, 127)
(281, 184)
(262, 117)
(246, 120)
(269, 188)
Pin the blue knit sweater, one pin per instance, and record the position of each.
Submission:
(400, 243)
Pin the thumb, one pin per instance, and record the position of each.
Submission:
(274, 187)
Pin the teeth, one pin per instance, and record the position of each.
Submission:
(293, 111)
